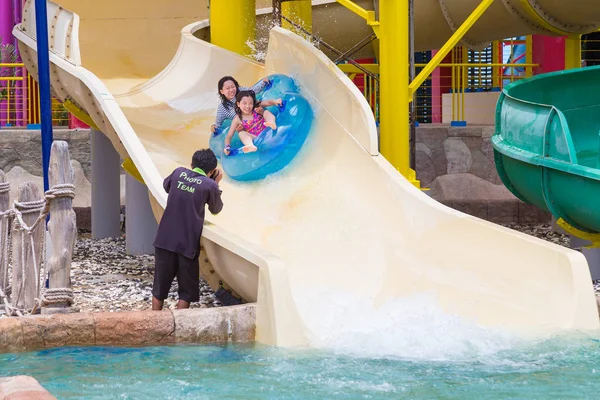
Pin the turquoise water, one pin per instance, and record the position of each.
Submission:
(565, 368)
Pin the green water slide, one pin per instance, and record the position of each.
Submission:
(546, 144)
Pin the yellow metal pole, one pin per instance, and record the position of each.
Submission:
(28, 98)
(464, 78)
(573, 52)
(299, 11)
(495, 74)
(8, 102)
(394, 77)
(233, 24)
(454, 91)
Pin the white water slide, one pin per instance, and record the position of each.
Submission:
(338, 239)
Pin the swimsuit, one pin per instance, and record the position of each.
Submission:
(255, 125)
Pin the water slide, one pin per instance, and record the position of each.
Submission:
(337, 245)
(546, 145)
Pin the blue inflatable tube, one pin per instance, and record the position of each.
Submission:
(276, 148)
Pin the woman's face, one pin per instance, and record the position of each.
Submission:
(229, 90)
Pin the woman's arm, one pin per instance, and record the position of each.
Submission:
(267, 103)
(234, 124)
(221, 115)
(260, 86)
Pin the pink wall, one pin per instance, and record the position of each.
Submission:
(549, 53)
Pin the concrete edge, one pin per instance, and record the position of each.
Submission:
(236, 324)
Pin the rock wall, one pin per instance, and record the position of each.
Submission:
(21, 160)
(457, 165)
(23, 148)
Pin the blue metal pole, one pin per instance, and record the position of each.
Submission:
(41, 24)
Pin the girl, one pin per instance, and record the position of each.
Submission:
(228, 87)
(252, 121)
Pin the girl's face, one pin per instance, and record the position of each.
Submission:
(246, 105)
(229, 90)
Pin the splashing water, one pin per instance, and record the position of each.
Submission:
(413, 328)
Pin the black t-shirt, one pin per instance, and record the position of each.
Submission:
(180, 227)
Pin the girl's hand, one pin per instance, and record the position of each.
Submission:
(213, 128)
(278, 102)
(266, 80)
(227, 150)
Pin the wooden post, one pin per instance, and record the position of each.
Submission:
(4, 195)
(24, 297)
(4, 201)
(62, 225)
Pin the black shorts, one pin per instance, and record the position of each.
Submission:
(168, 265)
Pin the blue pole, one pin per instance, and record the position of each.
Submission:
(41, 25)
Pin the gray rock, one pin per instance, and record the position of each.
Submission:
(425, 168)
(483, 168)
(440, 162)
(458, 156)
(423, 147)
(470, 131)
(462, 187)
(472, 142)
(23, 148)
(432, 137)
(487, 149)
(83, 187)
(488, 131)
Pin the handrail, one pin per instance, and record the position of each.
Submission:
(374, 68)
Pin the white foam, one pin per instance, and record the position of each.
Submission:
(414, 327)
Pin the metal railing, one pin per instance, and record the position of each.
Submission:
(449, 83)
(20, 100)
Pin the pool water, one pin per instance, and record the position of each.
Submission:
(561, 368)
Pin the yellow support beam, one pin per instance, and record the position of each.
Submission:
(351, 69)
(80, 114)
(594, 238)
(132, 170)
(450, 44)
(573, 52)
(394, 92)
(233, 24)
(367, 15)
(300, 12)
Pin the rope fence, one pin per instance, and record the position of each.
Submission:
(23, 264)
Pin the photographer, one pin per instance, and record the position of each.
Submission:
(177, 243)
